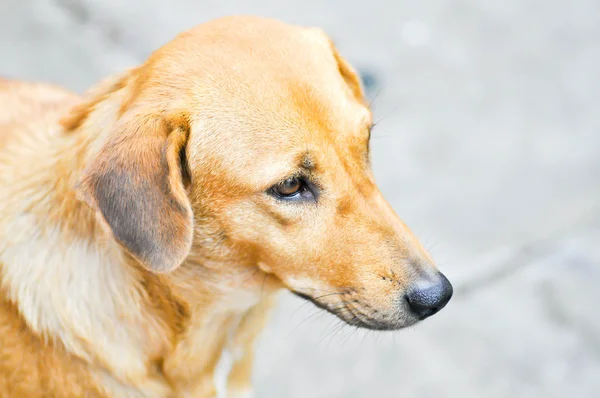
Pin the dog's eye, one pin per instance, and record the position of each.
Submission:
(289, 187)
(293, 188)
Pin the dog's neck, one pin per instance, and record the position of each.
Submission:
(152, 333)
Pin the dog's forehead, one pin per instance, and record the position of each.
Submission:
(257, 68)
(261, 92)
(270, 114)
(262, 136)
(245, 56)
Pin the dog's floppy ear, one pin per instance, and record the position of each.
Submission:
(348, 74)
(136, 183)
(346, 70)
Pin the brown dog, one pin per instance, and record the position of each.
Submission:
(144, 228)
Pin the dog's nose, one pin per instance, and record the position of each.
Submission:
(427, 296)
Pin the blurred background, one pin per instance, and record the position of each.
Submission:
(487, 145)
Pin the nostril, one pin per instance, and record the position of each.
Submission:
(427, 297)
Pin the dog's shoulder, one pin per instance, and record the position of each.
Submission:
(30, 367)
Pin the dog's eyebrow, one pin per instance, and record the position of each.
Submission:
(299, 164)
(307, 162)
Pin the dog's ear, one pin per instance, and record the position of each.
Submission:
(348, 74)
(346, 70)
(136, 183)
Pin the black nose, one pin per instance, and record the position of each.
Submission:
(428, 296)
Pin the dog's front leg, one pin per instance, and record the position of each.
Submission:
(239, 383)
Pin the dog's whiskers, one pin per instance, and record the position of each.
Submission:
(318, 311)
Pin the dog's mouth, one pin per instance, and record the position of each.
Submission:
(356, 312)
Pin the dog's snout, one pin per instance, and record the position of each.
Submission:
(427, 296)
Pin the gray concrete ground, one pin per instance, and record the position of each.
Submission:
(488, 147)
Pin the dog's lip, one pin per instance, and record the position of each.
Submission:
(312, 300)
(358, 320)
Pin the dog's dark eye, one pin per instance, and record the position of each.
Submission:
(292, 188)
(289, 187)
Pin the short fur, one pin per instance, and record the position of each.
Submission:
(138, 237)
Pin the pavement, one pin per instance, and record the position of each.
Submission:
(488, 146)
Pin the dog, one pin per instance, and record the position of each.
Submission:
(146, 228)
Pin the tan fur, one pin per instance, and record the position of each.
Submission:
(137, 238)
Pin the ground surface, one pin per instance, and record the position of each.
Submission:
(489, 148)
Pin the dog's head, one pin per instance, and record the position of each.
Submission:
(260, 130)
